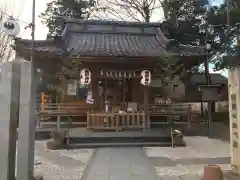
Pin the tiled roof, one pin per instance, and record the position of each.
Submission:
(215, 78)
(97, 44)
(40, 45)
(110, 38)
(49, 49)
(189, 50)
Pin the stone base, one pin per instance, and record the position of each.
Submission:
(38, 178)
(58, 141)
(177, 138)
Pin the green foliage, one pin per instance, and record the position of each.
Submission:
(224, 35)
(187, 16)
(79, 9)
(192, 18)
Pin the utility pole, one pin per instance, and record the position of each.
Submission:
(228, 28)
(207, 75)
(33, 93)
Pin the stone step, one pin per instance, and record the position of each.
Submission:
(119, 144)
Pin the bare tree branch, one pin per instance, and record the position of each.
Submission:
(6, 52)
(137, 10)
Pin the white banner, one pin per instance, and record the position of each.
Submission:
(72, 89)
(89, 99)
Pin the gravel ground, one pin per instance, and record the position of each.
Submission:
(190, 160)
(169, 163)
(61, 164)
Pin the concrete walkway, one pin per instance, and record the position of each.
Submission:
(120, 163)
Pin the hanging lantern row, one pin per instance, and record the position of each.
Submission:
(85, 76)
(145, 78)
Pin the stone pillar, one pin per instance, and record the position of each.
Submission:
(234, 117)
(9, 104)
(27, 123)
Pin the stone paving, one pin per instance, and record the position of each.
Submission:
(120, 163)
(61, 164)
(188, 162)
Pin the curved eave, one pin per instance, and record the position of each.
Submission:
(41, 48)
(46, 49)
(43, 60)
(26, 53)
(28, 42)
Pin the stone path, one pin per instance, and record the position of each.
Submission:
(120, 163)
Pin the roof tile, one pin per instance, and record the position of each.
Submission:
(88, 44)
(81, 39)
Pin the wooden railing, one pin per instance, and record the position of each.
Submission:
(68, 109)
(175, 112)
(169, 109)
(116, 121)
(54, 114)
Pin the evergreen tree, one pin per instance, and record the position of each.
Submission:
(188, 19)
(193, 18)
(79, 9)
(225, 36)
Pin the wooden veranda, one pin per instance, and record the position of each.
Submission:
(63, 113)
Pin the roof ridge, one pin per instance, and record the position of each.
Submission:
(127, 23)
(116, 33)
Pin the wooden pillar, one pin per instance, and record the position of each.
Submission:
(124, 93)
(101, 98)
(145, 100)
(234, 118)
(105, 92)
(115, 90)
(95, 91)
(94, 86)
(136, 92)
(63, 89)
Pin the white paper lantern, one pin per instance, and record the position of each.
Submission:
(11, 27)
(85, 76)
(145, 78)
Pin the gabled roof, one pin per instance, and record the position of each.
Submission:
(215, 78)
(111, 38)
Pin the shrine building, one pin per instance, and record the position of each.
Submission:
(105, 69)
